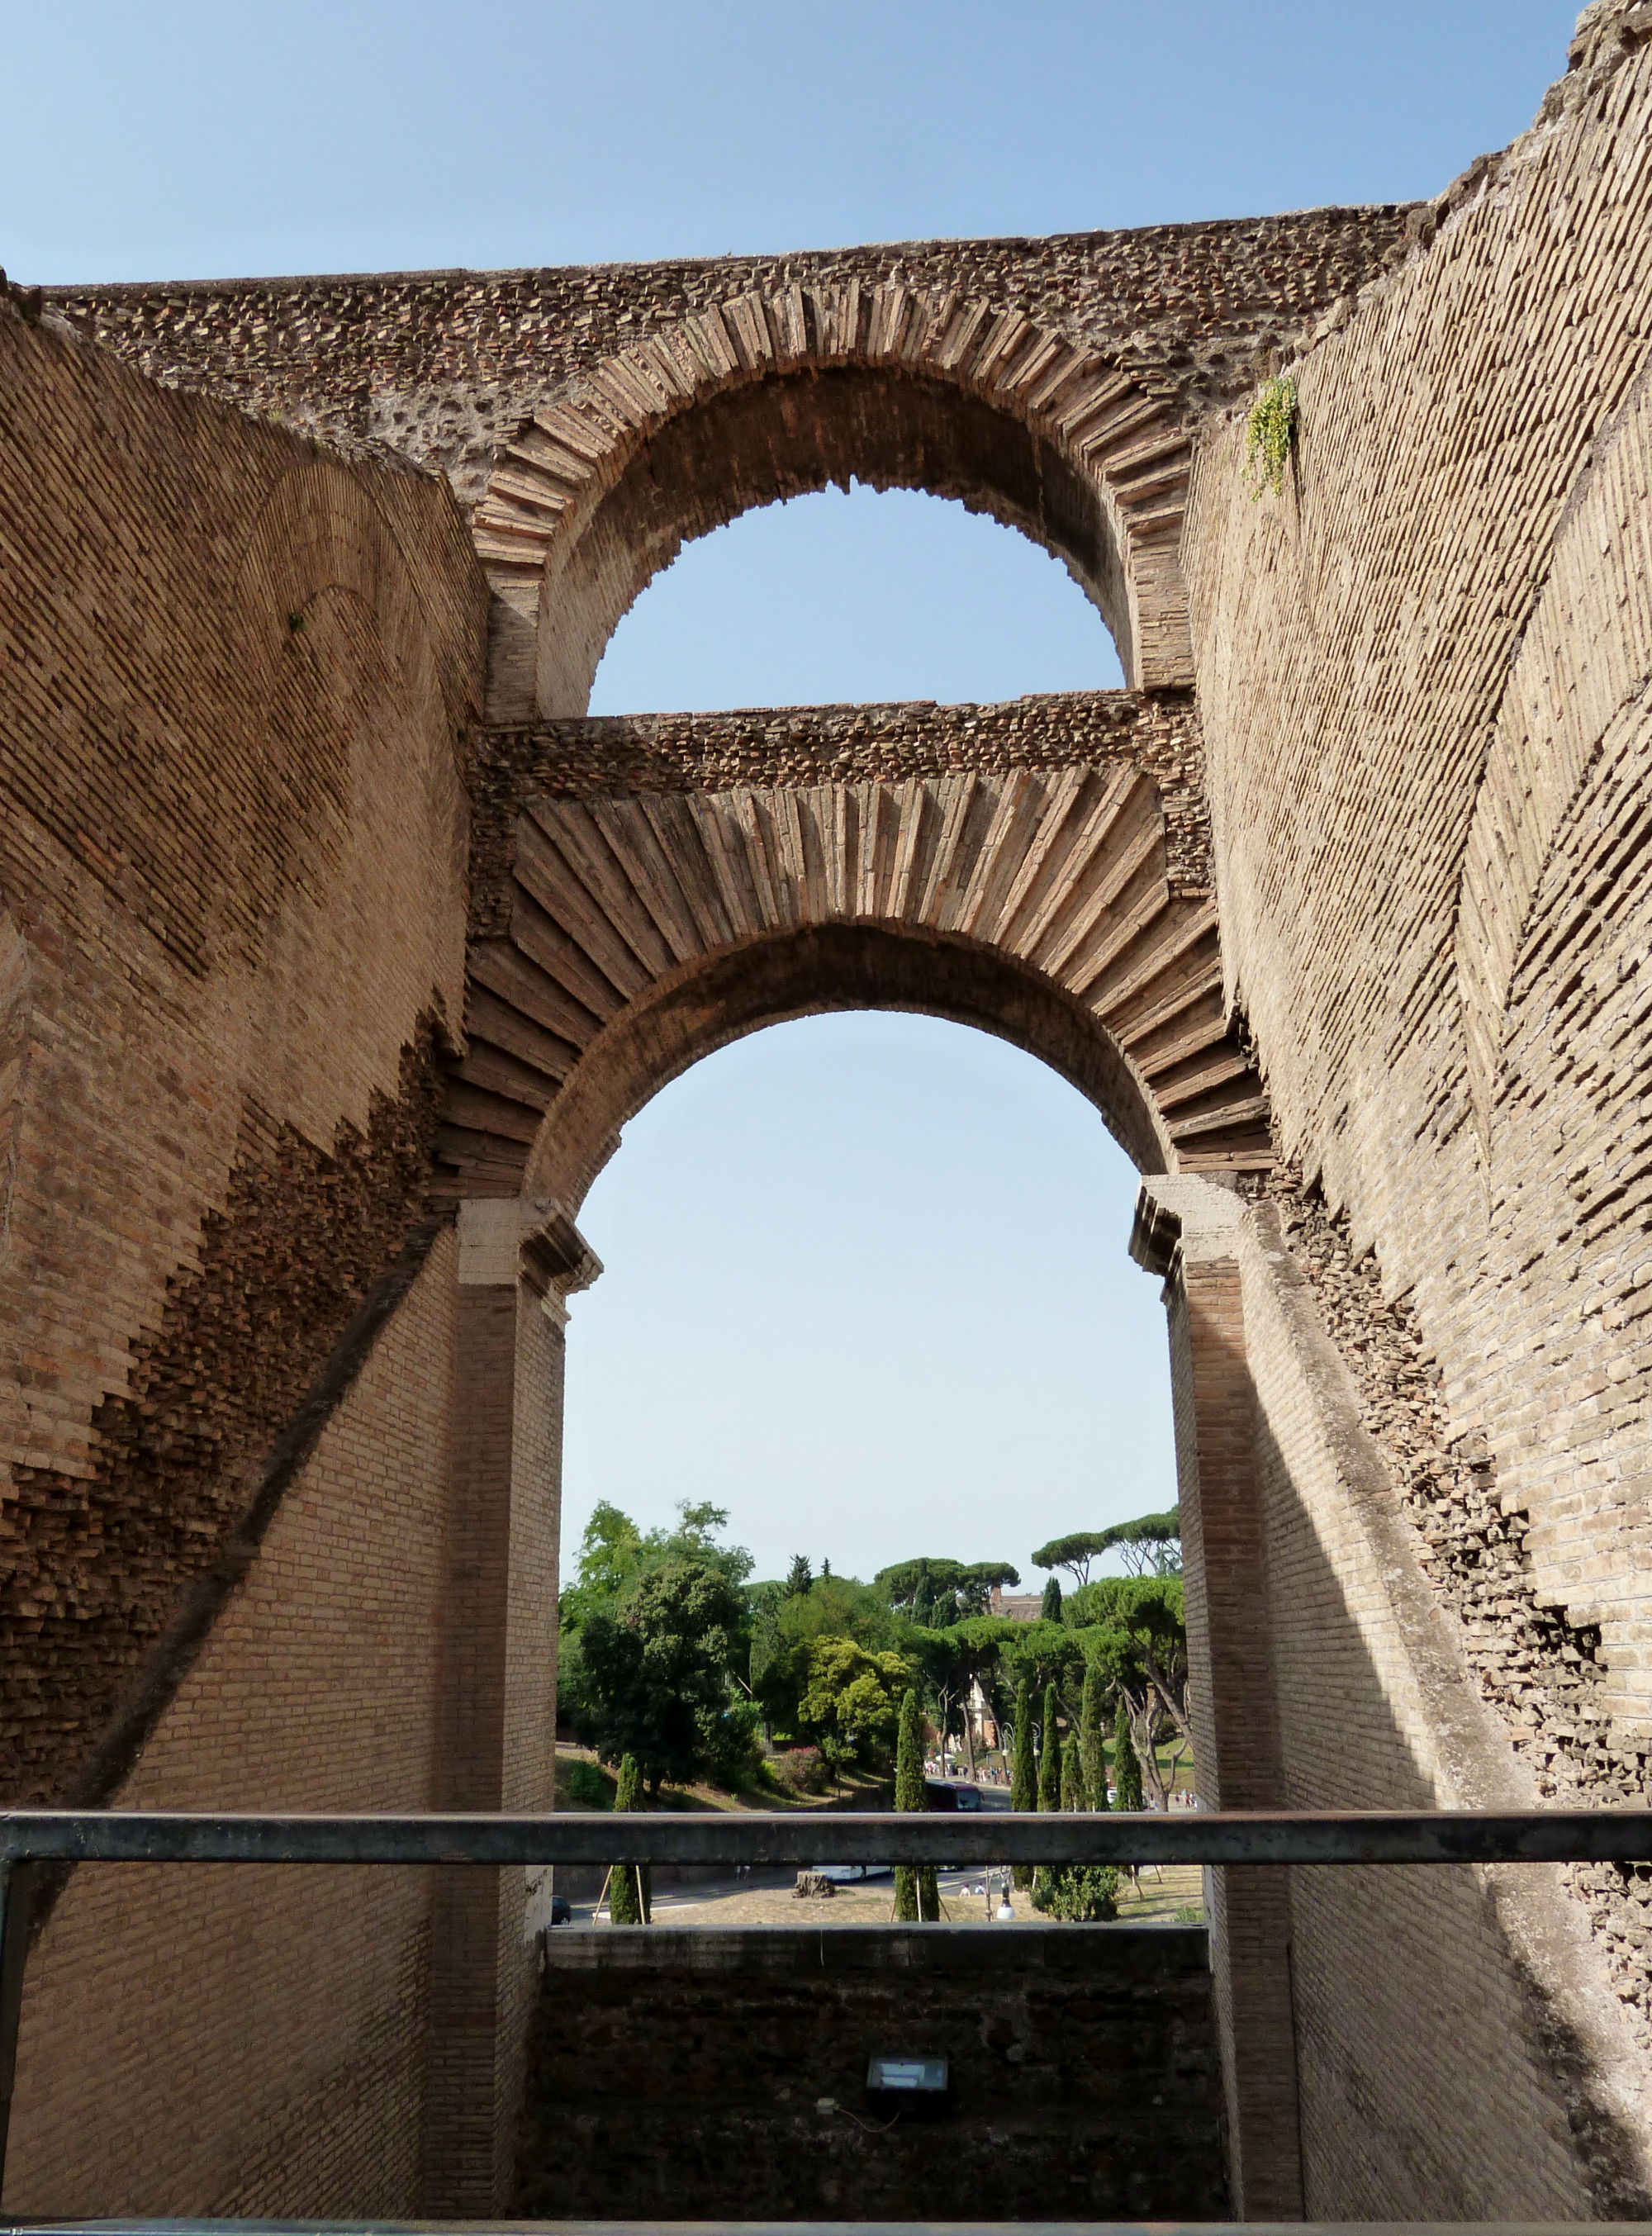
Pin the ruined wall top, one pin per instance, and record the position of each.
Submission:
(442, 366)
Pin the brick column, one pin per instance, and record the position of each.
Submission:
(1188, 1231)
(517, 1263)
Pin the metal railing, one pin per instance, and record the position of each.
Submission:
(32, 1840)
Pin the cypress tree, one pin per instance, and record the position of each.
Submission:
(1023, 1771)
(1092, 1754)
(628, 1885)
(1127, 1768)
(1050, 1611)
(1049, 1756)
(909, 1795)
(1072, 1780)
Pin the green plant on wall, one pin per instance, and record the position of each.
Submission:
(1270, 436)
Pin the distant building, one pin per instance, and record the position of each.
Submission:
(1020, 1606)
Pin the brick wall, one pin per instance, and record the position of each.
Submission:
(241, 677)
(231, 868)
(498, 1693)
(679, 2075)
(597, 420)
(215, 2039)
(1517, 2089)
(1420, 672)
(1231, 1689)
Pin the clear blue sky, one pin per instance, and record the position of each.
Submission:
(866, 1279)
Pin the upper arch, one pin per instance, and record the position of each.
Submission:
(644, 890)
(766, 396)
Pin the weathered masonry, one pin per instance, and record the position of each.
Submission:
(684, 2072)
(337, 945)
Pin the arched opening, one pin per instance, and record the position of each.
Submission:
(706, 1005)
(908, 1237)
(779, 438)
(861, 595)
(651, 890)
(764, 398)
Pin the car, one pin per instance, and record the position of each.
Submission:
(968, 1797)
(845, 1873)
(938, 1794)
(561, 1911)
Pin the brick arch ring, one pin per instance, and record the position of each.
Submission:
(620, 934)
(765, 397)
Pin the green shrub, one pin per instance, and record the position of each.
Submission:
(1270, 436)
(1079, 1894)
(587, 1787)
(800, 1770)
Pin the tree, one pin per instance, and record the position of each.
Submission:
(629, 1889)
(614, 1556)
(916, 1891)
(695, 1538)
(766, 1601)
(848, 1698)
(1045, 1654)
(608, 1553)
(782, 1622)
(1076, 1892)
(951, 1587)
(1023, 1771)
(1134, 1632)
(1092, 1754)
(799, 1576)
(656, 1673)
(1050, 1611)
(1050, 1755)
(839, 1607)
(1127, 1766)
(1073, 1554)
(1072, 1780)
(957, 1659)
(1151, 1545)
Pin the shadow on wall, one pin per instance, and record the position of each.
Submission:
(721, 2075)
(1435, 2078)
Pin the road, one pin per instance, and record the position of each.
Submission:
(964, 1892)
